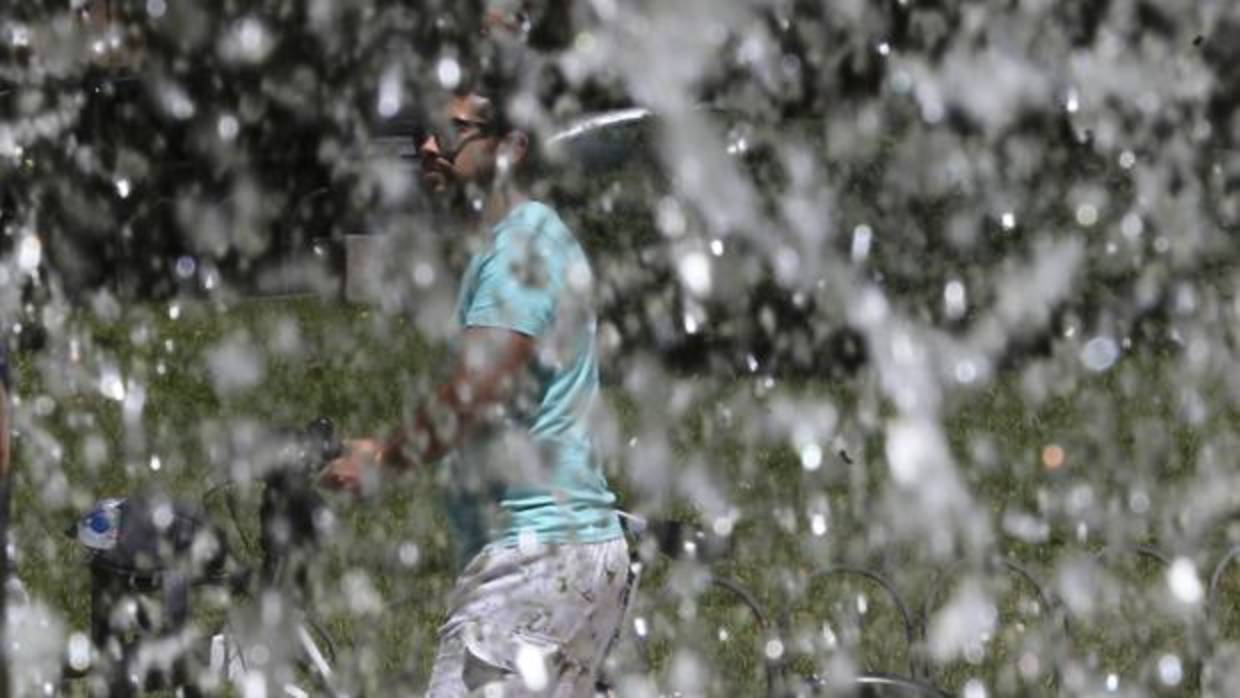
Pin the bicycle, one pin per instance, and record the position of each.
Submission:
(149, 546)
(677, 541)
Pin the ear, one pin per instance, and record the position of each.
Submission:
(514, 147)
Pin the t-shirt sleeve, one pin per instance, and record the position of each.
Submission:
(518, 286)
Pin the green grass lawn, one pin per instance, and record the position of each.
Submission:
(1140, 465)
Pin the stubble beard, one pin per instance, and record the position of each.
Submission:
(456, 200)
(451, 213)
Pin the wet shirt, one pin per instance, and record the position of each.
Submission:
(533, 473)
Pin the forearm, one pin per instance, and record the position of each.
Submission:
(415, 443)
(427, 439)
(485, 375)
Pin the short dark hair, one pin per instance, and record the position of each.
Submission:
(533, 166)
(494, 77)
(499, 62)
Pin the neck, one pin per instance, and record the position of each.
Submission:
(502, 199)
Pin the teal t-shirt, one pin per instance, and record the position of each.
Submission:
(535, 474)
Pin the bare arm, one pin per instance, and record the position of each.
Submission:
(487, 368)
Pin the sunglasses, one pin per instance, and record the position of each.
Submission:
(460, 134)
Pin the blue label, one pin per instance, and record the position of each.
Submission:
(99, 529)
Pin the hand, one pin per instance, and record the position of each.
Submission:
(357, 466)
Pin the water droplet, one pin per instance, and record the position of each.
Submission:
(19, 35)
(44, 405)
(254, 685)
(1184, 582)
(29, 252)
(716, 247)
(186, 266)
(737, 143)
(532, 666)
(811, 456)
(932, 107)
(1072, 103)
(174, 311)
(176, 101)
(122, 188)
(227, 127)
(156, 463)
(1112, 682)
(884, 49)
(79, 651)
(585, 42)
(449, 72)
(1170, 670)
(1086, 215)
(1100, 353)
(829, 636)
(111, 385)
(818, 525)
(1008, 220)
(423, 274)
(694, 268)
(639, 626)
(954, 299)
(163, 516)
(1132, 226)
(1127, 159)
(254, 41)
(235, 364)
(670, 217)
(862, 237)
(774, 649)
(915, 450)
(974, 688)
(390, 93)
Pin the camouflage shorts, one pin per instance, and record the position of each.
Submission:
(532, 622)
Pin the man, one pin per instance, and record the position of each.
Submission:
(543, 592)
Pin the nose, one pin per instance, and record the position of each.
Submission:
(429, 147)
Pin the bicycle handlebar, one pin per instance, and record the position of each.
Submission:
(290, 513)
(309, 450)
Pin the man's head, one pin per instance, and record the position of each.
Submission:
(473, 148)
(473, 145)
